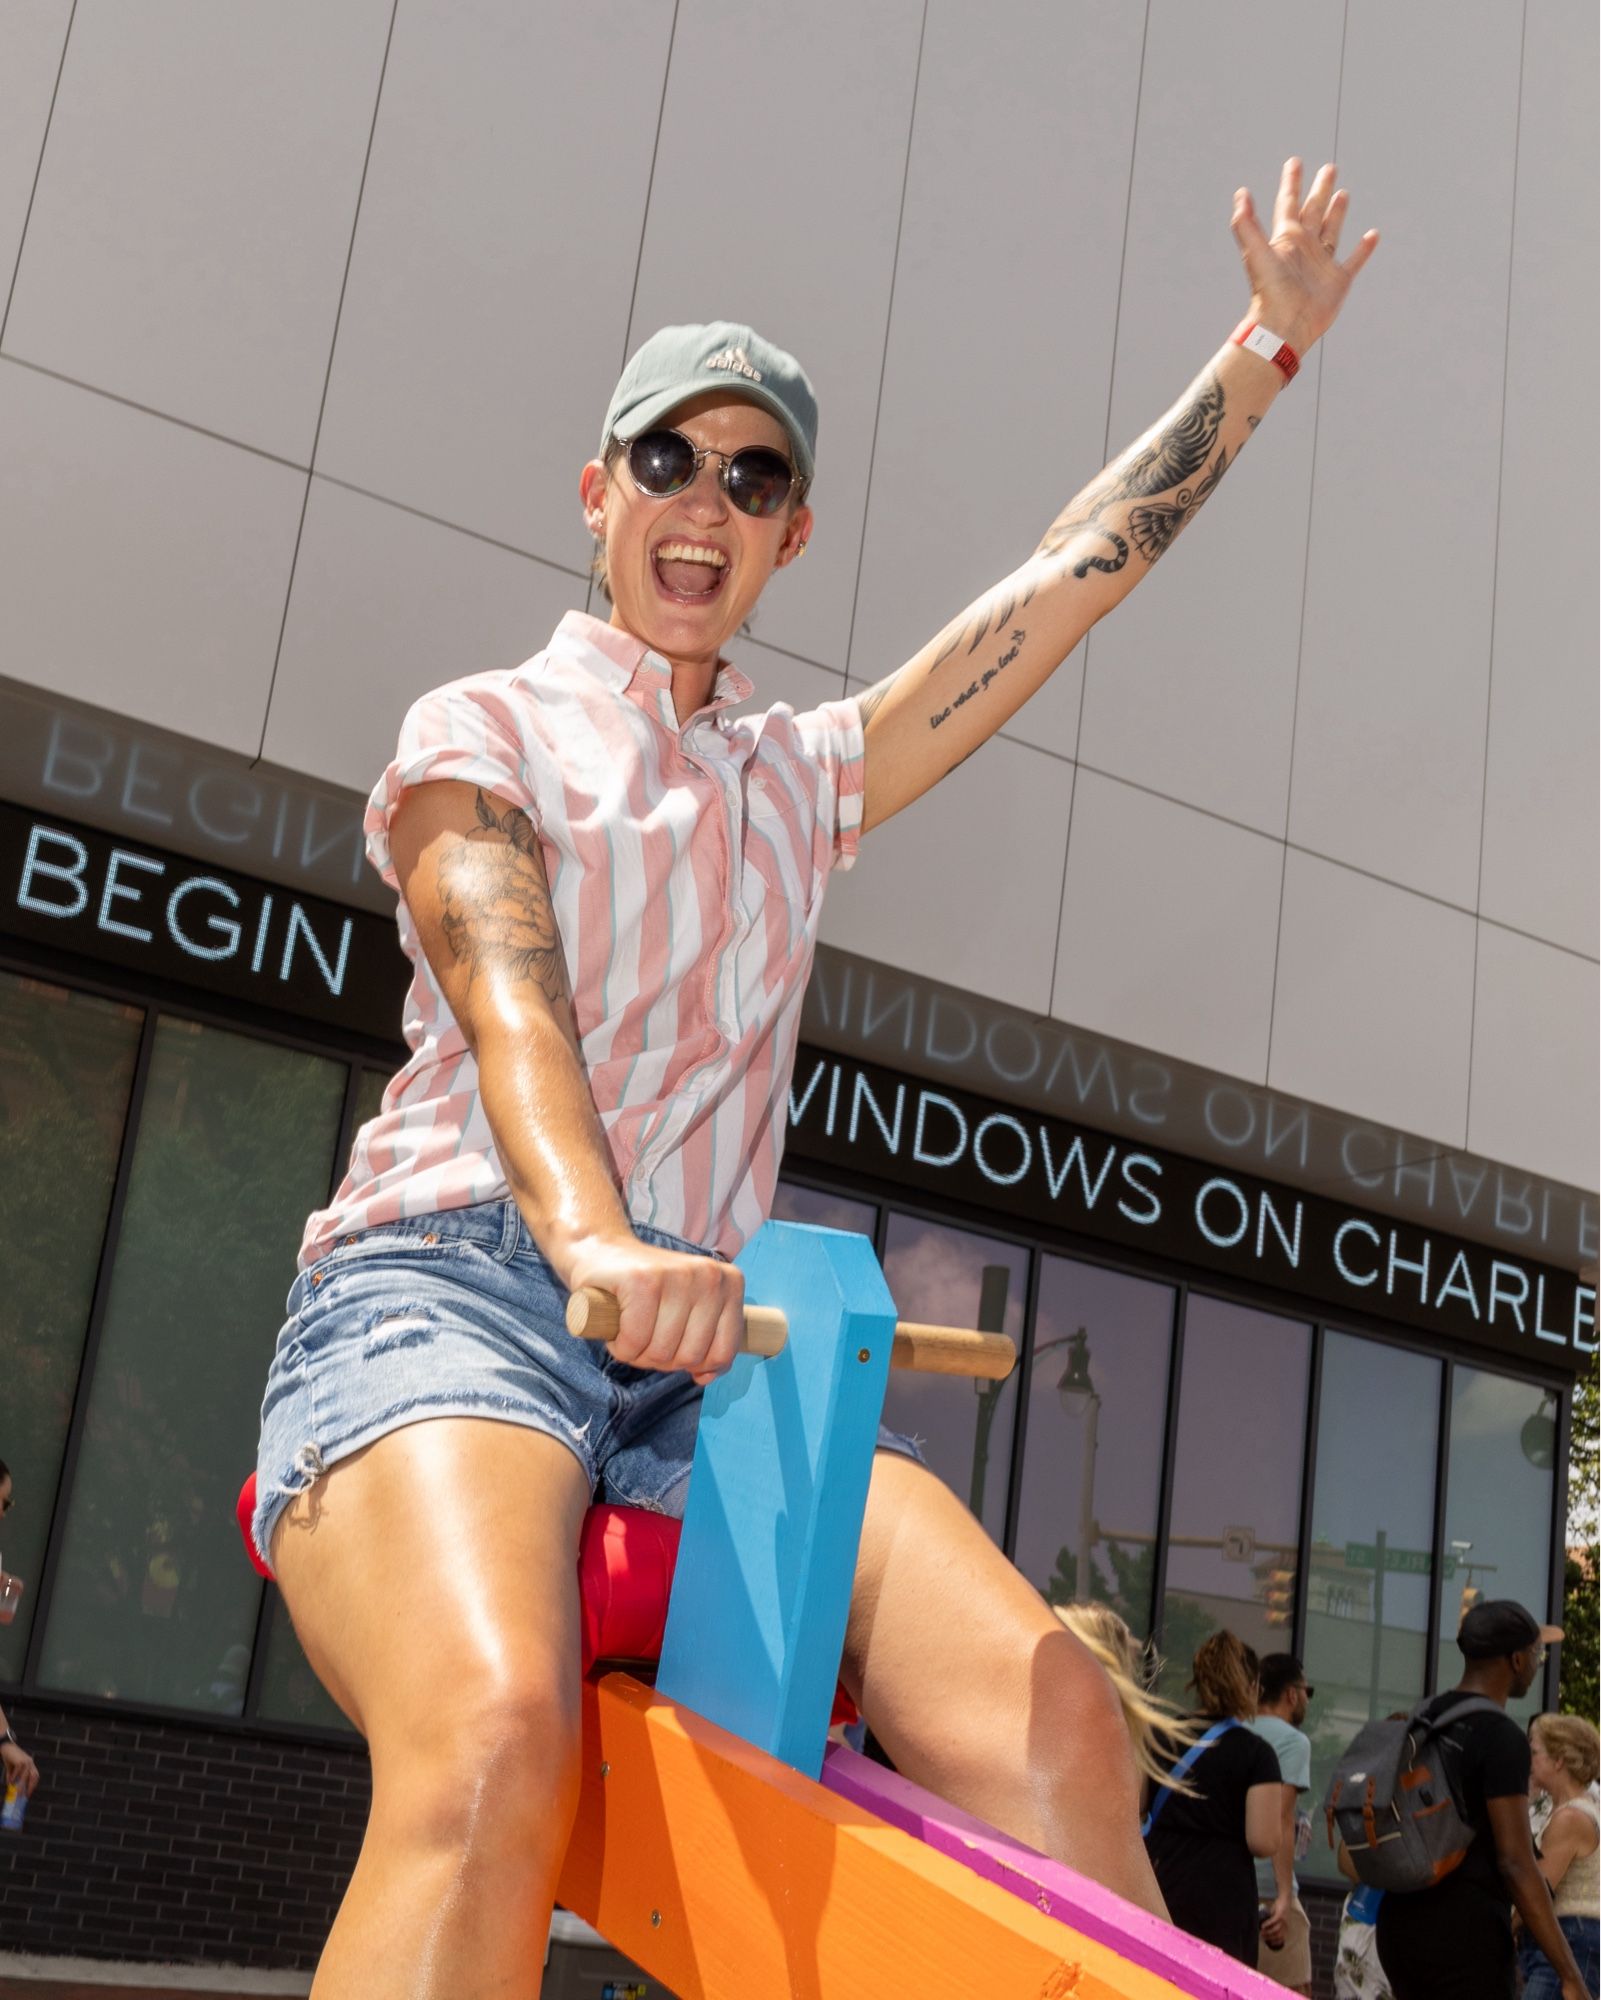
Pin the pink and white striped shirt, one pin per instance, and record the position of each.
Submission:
(687, 868)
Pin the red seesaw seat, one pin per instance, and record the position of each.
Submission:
(626, 1557)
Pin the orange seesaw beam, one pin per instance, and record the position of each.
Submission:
(725, 1874)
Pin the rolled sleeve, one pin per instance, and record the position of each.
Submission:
(453, 733)
(832, 737)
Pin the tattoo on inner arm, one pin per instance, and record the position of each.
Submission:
(1174, 458)
(495, 907)
(979, 686)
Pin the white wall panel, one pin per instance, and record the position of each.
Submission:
(775, 201)
(31, 39)
(1539, 871)
(1390, 727)
(1535, 1077)
(143, 566)
(1168, 925)
(194, 210)
(487, 308)
(1190, 686)
(1373, 1001)
(1000, 347)
(386, 606)
(965, 885)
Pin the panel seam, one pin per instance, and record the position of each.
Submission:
(1106, 453)
(327, 379)
(1300, 635)
(1495, 572)
(38, 169)
(889, 327)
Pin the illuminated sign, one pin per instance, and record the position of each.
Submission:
(85, 891)
(1044, 1169)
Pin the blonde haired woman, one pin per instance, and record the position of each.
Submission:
(1564, 1753)
(1203, 1841)
(1158, 1733)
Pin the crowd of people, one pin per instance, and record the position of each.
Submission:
(1229, 1783)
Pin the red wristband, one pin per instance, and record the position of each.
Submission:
(1257, 338)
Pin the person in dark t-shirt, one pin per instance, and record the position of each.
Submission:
(1454, 1941)
(1203, 1834)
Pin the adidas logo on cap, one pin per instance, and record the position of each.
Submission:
(737, 362)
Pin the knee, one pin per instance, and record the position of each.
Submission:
(1079, 1704)
(497, 1772)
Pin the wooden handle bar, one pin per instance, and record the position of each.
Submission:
(937, 1350)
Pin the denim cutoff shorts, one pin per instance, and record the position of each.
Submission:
(457, 1314)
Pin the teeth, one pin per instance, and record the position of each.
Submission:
(691, 552)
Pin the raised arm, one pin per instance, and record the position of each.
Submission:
(472, 875)
(972, 677)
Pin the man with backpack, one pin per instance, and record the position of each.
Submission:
(1451, 1938)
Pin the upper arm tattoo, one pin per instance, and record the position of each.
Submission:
(495, 909)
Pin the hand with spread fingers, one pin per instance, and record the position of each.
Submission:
(1298, 283)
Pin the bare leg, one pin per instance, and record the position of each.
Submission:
(432, 1580)
(978, 1693)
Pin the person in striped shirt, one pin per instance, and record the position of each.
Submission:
(608, 888)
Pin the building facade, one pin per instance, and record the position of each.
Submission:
(1225, 1032)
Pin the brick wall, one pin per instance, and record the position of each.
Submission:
(171, 1841)
(1322, 1907)
(150, 1840)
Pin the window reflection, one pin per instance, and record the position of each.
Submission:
(1092, 1454)
(823, 1209)
(290, 1691)
(1369, 1573)
(1235, 1526)
(955, 1277)
(153, 1598)
(1498, 1507)
(66, 1068)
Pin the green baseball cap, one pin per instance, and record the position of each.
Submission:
(679, 362)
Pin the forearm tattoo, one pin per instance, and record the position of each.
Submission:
(495, 906)
(1153, 491)
(1171, 463)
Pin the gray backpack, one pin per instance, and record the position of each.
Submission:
(1394, 1801)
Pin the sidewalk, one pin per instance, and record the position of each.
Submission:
(27, 1976)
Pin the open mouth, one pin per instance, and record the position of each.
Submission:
(689, 572)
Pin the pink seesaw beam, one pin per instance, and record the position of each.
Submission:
(1193, 1967)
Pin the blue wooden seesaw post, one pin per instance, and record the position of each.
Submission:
(778, 1488)
(756, 1622)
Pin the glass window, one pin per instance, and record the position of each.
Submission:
(1092, 1453)
(153, 1599)
(1369, 1572)
(1497, 1508)
(824, 1209)
(955, 1277)
(1236, 1482)
(370, 1087)
(66, 1068)
(290, 1691)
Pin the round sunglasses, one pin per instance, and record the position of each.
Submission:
(757, 479)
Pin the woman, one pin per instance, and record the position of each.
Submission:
(609, 890)
(16, 1766)
(1203, 1847)
(1564, 1755)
